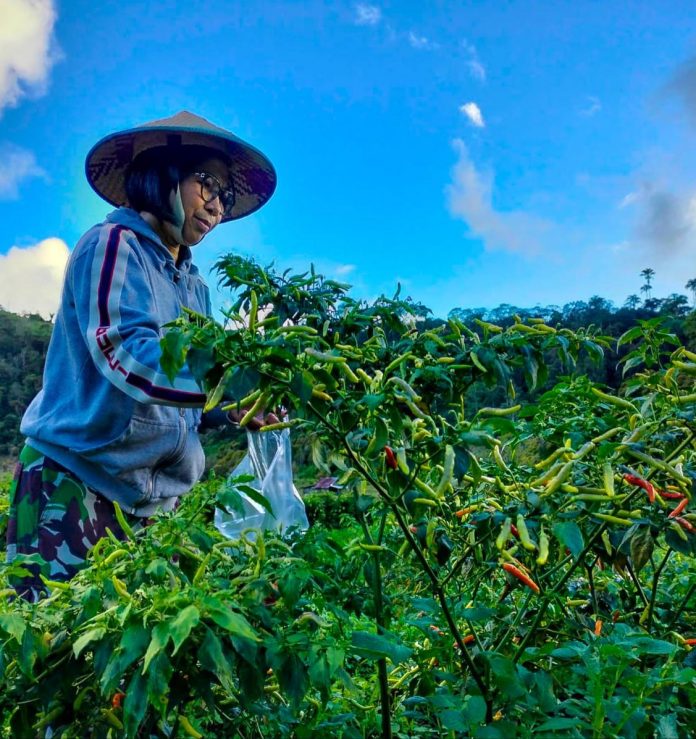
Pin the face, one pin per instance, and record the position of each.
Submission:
(200, 218)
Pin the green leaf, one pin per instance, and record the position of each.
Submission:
(213, 658)
(257, 497)
(160, 637)
(570, 536)
(86, 638)
(631, 335)
(14, 625)
(379, 646)
(301, 385)
(135, 704)
(242, 381)
(379, 439)
(667, 727)
(642, 545)
(174, 345)
(181, 626)
(229, 620)
(559, 724)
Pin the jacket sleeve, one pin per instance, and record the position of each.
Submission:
(118, 316)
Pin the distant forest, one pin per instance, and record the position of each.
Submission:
(24, 340)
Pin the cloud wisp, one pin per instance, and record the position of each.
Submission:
(472, 111)
(593, 105)
(31, 277)
(473, 63)
(683, 85)
(16, 166)
(367, 15)
(27, 48)
(422, 43)
(470, 199)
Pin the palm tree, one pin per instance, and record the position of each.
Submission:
(691, 285)
(632, 302)
(647, 274)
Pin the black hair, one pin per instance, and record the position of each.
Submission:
(155, 173)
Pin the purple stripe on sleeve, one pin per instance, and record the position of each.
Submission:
(106, 275)
(164, 393)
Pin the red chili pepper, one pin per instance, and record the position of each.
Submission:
(468, 639)
(680, 507)
(690, 642)
(641, 483)
(515, 572)
(117, 700)
(686, 525)
(390, 457)
(669, 495)
(598, 627)
(514, 531)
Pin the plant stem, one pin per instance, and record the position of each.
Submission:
(653, 595)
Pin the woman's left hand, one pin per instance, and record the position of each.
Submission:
(261, 419)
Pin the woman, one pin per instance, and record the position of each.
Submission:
(108, 424)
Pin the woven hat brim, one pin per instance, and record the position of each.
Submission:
(254, 177)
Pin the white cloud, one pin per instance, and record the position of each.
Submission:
(16, 165)
(683, 84)
(344, 269)
(470, 198)
(27, 51)
(367, 15)
(476, 68)
(473, 113)
(593, 106)
(421, 42)
(31, 277)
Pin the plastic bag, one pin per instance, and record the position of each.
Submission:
(269, 460)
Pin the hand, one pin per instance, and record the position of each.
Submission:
(261, 419)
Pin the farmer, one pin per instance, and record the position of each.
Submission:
(108, 425)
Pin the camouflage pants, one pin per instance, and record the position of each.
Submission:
(54, 520)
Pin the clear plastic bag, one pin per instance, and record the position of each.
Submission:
(269, 460)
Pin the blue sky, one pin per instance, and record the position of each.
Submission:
(479, 153)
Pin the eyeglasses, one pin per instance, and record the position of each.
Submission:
(211, 189)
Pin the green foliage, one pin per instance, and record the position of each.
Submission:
(505, 569)
(328, 509)
(23, 344)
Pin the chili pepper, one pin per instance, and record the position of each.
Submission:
(514, 531)
(425, 488)
(680, 507)
(396, 362)
(253, 310)
(371, 547)
(687, 525)
(405, 387)
(255, 409)
(280, 425)
(125, 526)
(608, 474)
(555, 482)
(189, 729)
(658, 464)
(614, 400)
(550, 459)
(120, 587)
(504, 534)
(678, 529)
(117, 554)
(543, 548)
(390, 458)
(690, 642)
(524, 537)
(437, 630)
(117, 700)
(360, 372)
(515, 572)
(321, 395)
(348, 372)
(598, 627)
(111, 718)
(401, 461)
(614, 519)
(641, 483)
(499, 411)
(324, 356)
(297, 329)
(670, 495)
(447, 473)
(465, 511)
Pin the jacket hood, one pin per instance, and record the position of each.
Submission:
(133, 221)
